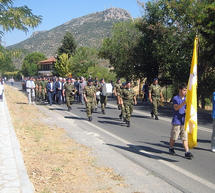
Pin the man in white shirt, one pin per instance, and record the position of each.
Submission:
(30, 88)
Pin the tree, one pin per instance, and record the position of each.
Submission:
(119, 49)
(16, 17)
(68, 45)
(83, 59)
(101, 72)
(30, 63)
(197, 18)
(6, 64)
(63, 65)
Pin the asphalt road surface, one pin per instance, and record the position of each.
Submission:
(146, 142)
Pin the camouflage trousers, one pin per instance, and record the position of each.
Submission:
(42, 94)
(122, 108)
(155, 105)
(128, 107)
(89, 107)
(69, 100)
(103, 101)
(37, 95)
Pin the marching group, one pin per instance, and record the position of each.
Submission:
(60, 90)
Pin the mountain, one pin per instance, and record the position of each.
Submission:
(88, 30)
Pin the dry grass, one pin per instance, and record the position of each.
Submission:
(56, 163)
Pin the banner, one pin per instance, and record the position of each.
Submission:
(191, 99)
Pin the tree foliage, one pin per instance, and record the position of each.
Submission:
(68, 45)
(63, 65)
(101, 72)
(6, 64)
(83, 58)
(30, 63)
(120, 49)
(164, 44)
(20, 18)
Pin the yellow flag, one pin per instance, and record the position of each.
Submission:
(191, 99)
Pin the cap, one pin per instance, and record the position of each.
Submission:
(155, 79)
(90, 80)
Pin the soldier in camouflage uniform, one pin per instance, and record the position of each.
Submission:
(89, 97)
(42, 89)
(69, 91)
(128, 100)
(37, 97)
(117, 90)
(122, 115)
(155, 96)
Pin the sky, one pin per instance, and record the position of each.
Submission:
(55, 13)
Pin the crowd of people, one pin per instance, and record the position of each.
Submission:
(59, 90)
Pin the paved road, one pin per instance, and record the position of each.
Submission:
(145, 143)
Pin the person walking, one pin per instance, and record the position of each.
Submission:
(155, 97)
(89, 94)
(117, 89)
(128, 100)
(42, 89)
(30, 88)
(50, 90)
(69, 93)
(59, 90)
(82, 84)
(97, 87)
(145, 92)
(179, 108)
(103, 95)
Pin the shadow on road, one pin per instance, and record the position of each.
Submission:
(141, 116)
(57, 109)
(21, 103)
(73, 117)
(109, 118)
(111, 123)
(137, 150)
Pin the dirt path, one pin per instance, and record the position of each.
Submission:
(56, 163)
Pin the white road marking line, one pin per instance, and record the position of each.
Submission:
(163, 118)
(177, 168)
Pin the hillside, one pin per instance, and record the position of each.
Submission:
(88, 30)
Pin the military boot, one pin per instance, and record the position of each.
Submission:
(152, 114)
(128, 124)
(156, 117)
(90, 118)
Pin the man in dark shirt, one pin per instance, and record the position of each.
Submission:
(179, 108)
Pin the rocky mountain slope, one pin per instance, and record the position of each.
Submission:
(88, 30)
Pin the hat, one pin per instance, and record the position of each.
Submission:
(90, 80)
(155, 79)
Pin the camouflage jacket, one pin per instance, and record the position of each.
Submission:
(127, 95)
(155, 90)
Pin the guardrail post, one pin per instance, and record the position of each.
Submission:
(213, 133)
